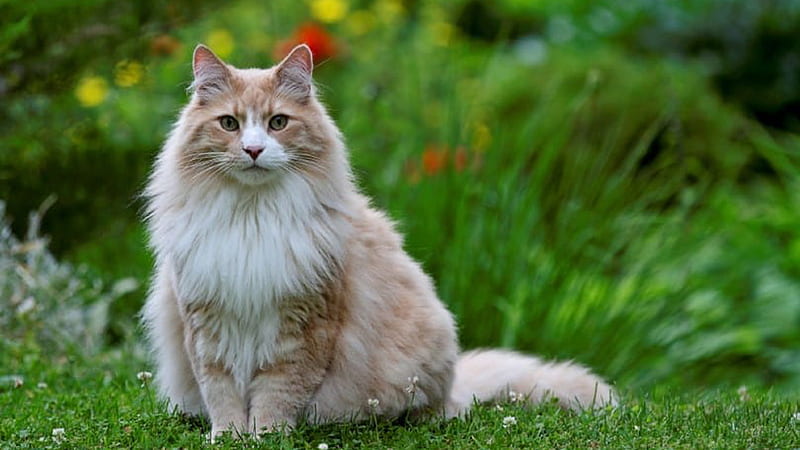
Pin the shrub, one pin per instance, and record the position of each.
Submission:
(49, 304)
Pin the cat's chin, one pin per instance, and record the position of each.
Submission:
(255, 176)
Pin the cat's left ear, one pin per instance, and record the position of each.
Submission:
(294, 73)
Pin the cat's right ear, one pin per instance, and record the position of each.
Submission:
(211, 75)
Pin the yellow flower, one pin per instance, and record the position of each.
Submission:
(481, 137)
(389, 10)
(91, 91)
(442, 32)
(221, 42)
(328, 11)
(128, 73)
(259, 40)
(360, 22)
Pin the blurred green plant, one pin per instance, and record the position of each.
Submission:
(750, 49)
(50, 305)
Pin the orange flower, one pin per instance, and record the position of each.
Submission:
(322, 44)
(434, 159)
(164, 45)
(460, 159)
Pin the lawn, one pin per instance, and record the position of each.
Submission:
(101, 403)
(617, 184)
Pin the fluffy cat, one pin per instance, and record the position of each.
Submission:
(280, 295)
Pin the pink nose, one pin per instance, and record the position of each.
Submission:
(253, 151)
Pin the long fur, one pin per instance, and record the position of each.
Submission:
(280, 294)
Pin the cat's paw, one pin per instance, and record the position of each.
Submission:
(271, 425)
(229, 432)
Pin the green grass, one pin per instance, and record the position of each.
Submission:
(99, 402)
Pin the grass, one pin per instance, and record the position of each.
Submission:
(99, 402)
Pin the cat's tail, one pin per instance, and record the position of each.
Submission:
(500, 375)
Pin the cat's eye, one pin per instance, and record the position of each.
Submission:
(278, 122)
(228, 123)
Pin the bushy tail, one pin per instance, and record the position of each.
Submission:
(500, 375)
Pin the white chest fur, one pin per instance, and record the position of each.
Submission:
(241, 255)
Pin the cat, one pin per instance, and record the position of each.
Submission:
(280, 295)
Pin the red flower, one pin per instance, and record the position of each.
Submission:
(322, 44)
(460, 159)
(434, 159)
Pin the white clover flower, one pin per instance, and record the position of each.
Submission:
(323, 446)
(144, 376)
(18, 381)
(515, 397)
(411, 389)
(743, 394)
(42, 385)
(373, 403)
(58, 435)
(509, 421)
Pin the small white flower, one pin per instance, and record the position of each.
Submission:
(796, 417)
(58, 435)
(498, 407)
(42, 385)
(373, 403)
(411, 389)
(636, 427)
(509, 421)
(144, 376)
(323, 446)
(743, 394)
(515, 397)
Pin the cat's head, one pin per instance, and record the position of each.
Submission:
(254, 126)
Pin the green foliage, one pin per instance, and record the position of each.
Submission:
(568, 197)
(749, 49)
(48, 140)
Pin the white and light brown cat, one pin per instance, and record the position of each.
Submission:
(280, 295)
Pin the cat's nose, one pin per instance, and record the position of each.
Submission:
(253, 150)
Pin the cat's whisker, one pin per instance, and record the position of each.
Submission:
(306, 161)
(204, 172)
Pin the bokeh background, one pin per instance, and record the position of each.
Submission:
(614, 182)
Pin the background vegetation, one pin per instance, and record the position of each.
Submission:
(610, 181)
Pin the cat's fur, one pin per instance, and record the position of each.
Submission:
(280, 294)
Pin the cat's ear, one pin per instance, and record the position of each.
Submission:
(294, 73)
(211, 75)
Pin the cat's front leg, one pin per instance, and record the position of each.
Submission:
(226, 408)
(223, 400)
(280, 391)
